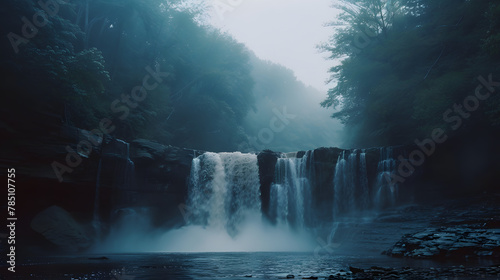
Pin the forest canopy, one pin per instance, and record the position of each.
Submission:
(154, 70)
(405, 63)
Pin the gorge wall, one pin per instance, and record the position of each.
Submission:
(302, 189)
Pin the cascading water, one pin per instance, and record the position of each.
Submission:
(350, 183)
(385, 191)
(224, 189)
(124, 176)
(290, 191)
(224, 209)
(339, 182)
(129, 172)
(363, 181)
(351, 194)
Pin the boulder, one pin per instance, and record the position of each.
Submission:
(61, 229)
(454, 242)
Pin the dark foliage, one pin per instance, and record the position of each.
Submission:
(405, 63)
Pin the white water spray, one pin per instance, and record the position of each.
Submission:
(225, 205)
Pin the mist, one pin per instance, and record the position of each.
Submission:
(278, 92)
(135, 234)
(330, 139)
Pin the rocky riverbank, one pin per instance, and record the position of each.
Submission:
(456, 272)
(449, 242)
(465, 229)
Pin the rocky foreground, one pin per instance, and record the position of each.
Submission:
(449, 242)
(458, 232)
(459, 272)
(465, 231)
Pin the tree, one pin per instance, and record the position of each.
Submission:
(403, 63)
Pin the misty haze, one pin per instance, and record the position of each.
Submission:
(236, 139)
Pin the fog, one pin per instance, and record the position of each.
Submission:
(134, 233)
(284, 32)
(280, 34)
(160, 126)
(307, 125)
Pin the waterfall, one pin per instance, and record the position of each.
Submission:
(363, 181)
(338, 184)
(350, 183)
(224, 208)
(129, 172)
(352, 188)
(290, 191)
(117, 170)
(385, 193)
(223, 211)
(278, 203)
(224, 190)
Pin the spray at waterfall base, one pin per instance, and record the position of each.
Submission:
(224, 210)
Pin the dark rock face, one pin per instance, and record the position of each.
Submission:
(117, 175)
(162, 174)
(456, 272)
(457, 242)
(321, 168)
(60, 228)
(32, 153)
(321, 164)
(161, 167)
(323, 161)
(267, 162)
(104, 176)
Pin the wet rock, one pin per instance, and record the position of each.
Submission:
(61, 229)
(146, 151)
(99, 258)
(454, 242)
(355, 270)
(267, 161)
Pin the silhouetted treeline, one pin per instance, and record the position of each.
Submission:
(410, 66)
(149, 69)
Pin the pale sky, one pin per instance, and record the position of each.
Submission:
(282, 31)
(286, 32)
